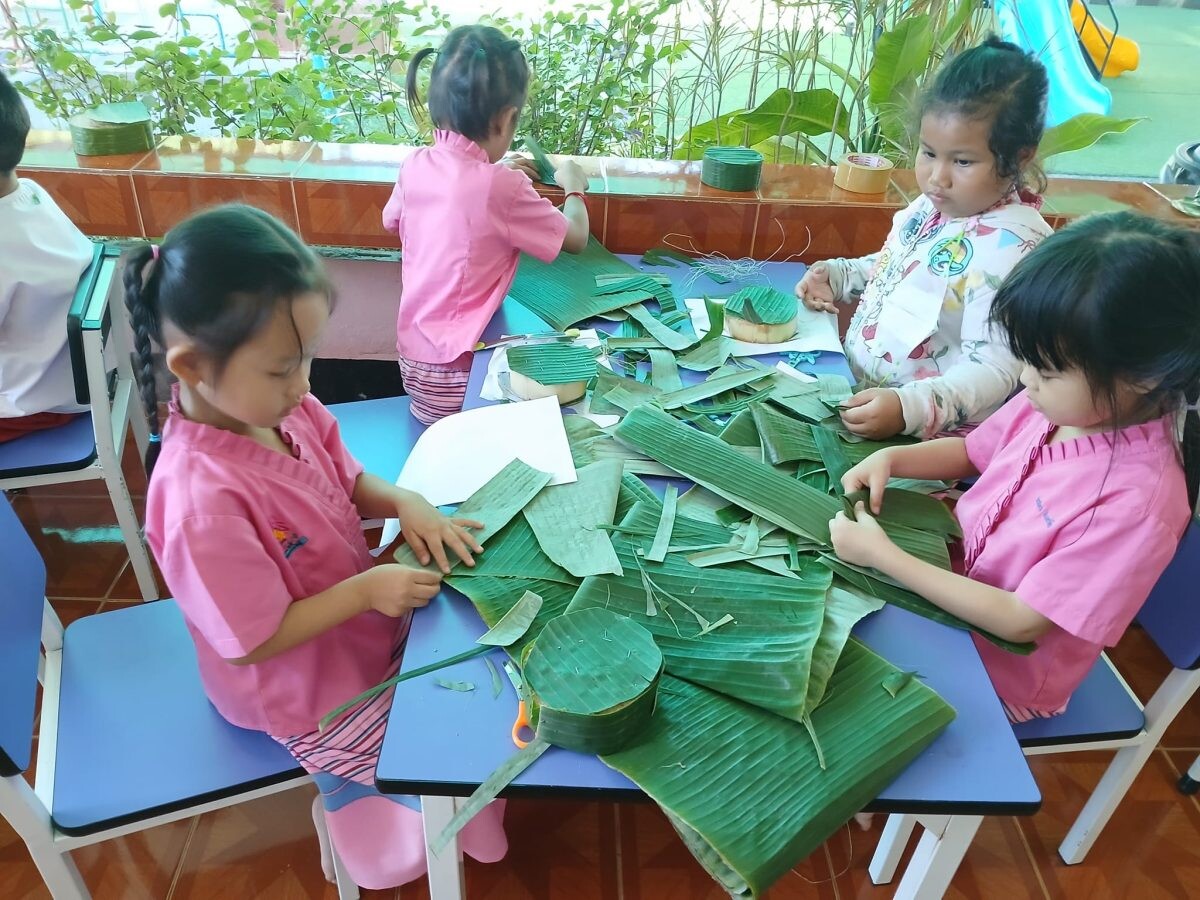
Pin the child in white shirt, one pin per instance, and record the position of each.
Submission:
(42, 255)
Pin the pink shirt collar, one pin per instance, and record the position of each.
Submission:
(459, 143)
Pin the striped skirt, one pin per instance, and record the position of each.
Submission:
(437, 389)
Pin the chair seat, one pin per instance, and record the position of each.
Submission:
(137, 737)
(1101, 709)
(63, 449)
(379, 433)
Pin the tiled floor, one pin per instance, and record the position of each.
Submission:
(586, 850)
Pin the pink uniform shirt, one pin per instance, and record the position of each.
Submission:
(1079, 530)
(241, 532)
(463, 222)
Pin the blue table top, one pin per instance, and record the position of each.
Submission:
(445, 742)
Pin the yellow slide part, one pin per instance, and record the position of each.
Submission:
(1096, 38)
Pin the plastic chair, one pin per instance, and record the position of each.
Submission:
(127, 739)
(1103, 714)
(90, 446)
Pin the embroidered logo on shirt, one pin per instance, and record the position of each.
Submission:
(1045, 515)
(288, 539)
(951, 256)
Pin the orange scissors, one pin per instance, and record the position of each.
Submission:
(522, 721)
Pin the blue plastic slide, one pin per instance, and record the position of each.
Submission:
(1043, 27)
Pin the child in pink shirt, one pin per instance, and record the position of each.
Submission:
(254, 516)
(1081, 498)
(463, 220)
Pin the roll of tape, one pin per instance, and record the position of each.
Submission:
(863, 173)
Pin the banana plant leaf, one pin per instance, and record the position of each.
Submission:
(762, 305)
(912, 509)
(513, 624)
(747, 783)
(660, 331)
(664, 373)
(843, 610)
(787, 440)
(710, 387)
(495, 504)
(714, 347)
(493, 597)
(915, 603)
(514, 552)
(565, 519)
(607, 381)
(763, 657)
(633, 490)
(563, 292)
(553, 362)
(833, 455)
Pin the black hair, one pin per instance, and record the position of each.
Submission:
(14, 126)
(218, 277)
(999, 82)
(478, 73)
(1114, 297)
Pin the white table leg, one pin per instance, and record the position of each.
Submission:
(445, 869)
(896, 833)
(937, 857)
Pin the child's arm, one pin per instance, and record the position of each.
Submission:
(427, 531)
(572, 180)
(391, 589)
(945, 459)
(862, 542)
(835, 281)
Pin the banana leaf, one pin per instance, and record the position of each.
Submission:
(565, 519)
(660, 331)
(763, 657)
(714, 347)
(762, 305)
(843, 610)
(747, 784)
(666, 522)
(664, 373)
(833, 455)
(610, 707)
(633, 490)
(914, 603)
(711, 387)
(493, 597)
(514, 552)
(513, 624)
(787, 440)
(553, 362)
(495, 504)
(912, 509)
(562, 292)
(606, 381)
(740, 430)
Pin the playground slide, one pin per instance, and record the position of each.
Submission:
(1043, 27)
(1096, 38)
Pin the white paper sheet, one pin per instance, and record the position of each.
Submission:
(814, 331)
(460, 453)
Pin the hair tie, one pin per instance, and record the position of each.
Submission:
(156, 438)
(480, 53)
(154, 252)
(1192, 407)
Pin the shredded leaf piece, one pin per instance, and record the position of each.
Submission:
(724, 620)
(464, 687)
(812, 733)
(896, 682)
(514, 623)
(497, 684)
(666, 521)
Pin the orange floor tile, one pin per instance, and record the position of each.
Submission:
(569, 850)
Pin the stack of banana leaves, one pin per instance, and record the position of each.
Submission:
(700, 642)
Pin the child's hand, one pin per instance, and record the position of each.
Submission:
(570, 177)
(429, 532)
(872, 474)
(394, 589)
(859, 541)
(875, 414)
(814, 289)
(523, 164)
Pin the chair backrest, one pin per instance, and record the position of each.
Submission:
(21, 602)
(1171, 615)
(89, 309)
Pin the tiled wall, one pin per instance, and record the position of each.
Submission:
(334, 194)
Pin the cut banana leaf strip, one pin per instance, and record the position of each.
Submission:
(702, 504)
(609, 707)
(912, 509)
(787, 440)
(633, 490)
(553, 362)
(489, 791)
(566, 519)
(562, 292)
(497, 684)
(741, 431)
(666, 522)
(493, 597)
(606, 381)
(833, 455)
(705, 357)
(748, 783)
(495, 504)
(710, 388)
(623, 344)
(664, 373)
(920, 485)
(895, 682)
(710, 462)
(661, 332)
(914, 603)
(724, 555)
(514, 624)
(843, 610)
(834, 389)
(403, 676)
(464, 687)
(624, 399)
